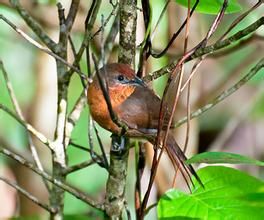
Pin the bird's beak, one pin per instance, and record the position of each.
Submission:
(137, 81)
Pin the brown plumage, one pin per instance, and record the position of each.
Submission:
(135, 105)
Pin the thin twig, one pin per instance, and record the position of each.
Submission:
(28, 195)
(146, 43)
(186, 37)
(72, 14)
(189, 83)
(105, 162)
(90, 137)
(79, 166)
(233, 39)
(217, 21)
(110, 39)
(74, 115)
(83, 148)
(152, 35)
(106, 21)
(89, 22)
(193, 71)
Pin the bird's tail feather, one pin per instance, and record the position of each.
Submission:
(178, 159)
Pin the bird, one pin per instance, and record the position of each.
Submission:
(136, 105)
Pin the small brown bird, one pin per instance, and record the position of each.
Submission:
(134, 104)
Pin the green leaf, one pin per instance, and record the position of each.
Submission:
(212, 6)
(227, 194)
(223, 157)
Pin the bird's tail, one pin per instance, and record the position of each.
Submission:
(178, 159)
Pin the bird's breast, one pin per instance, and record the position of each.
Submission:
(99, 109)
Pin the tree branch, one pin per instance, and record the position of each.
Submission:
(72, 14)
(79, 166)
(116, 183)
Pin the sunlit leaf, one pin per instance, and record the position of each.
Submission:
(223, 157)
(212, 6)
(227, 194)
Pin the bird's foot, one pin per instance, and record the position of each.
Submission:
(119, 143)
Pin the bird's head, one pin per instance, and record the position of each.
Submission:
(119, 80)
(119, 75)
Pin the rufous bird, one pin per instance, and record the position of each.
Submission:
(134, 104)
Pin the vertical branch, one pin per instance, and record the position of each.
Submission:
(59, 154)
(59, 157)
(116, 183)
(127, 43)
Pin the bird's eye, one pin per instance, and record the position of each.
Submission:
(120, 78)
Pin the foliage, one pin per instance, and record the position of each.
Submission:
(227, 194)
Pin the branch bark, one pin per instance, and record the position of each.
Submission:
(115, 202)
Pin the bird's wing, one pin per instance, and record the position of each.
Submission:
(141, 110)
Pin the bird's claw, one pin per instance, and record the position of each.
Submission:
(118, 143)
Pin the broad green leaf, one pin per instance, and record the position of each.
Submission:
(212, 6)
(227, 194)
(223, 157)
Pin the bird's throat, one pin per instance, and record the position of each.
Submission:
(119, 94)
